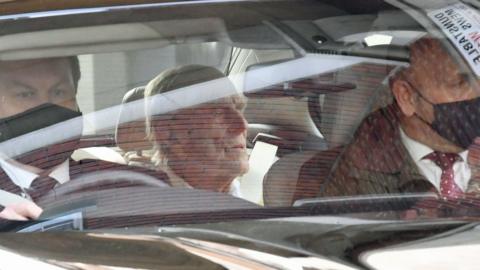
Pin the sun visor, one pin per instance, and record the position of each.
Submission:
(107, 38)
(354, 28)
(385, 35)
(338, 27)
(257, 37)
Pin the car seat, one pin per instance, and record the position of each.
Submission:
(301, 175)
(130, 136)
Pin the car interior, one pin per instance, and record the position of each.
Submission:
(306, 103)
(312, 74)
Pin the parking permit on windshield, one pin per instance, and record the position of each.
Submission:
(461, 24)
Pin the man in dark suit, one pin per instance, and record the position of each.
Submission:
(25, 85)
(36, 94)
(422, 142)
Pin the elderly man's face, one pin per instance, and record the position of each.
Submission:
(437, 77)
(210, 139)
(29, 83)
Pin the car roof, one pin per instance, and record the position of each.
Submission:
(28, 6)
(25, 6)
(28, 16)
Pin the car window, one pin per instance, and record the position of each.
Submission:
(238, 134)
(185, 113)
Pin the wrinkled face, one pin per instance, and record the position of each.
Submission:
(29, 83)
(209, 140)
(438, 78)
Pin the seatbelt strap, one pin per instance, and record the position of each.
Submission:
(261, 159)
(8, 198)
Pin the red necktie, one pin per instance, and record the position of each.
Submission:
(41, 186)
(448, 188)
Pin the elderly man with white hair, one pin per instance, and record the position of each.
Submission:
(202, 146)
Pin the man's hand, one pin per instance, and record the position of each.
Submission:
(21, 211)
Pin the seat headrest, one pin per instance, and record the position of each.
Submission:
(131, 136)
(134, 94)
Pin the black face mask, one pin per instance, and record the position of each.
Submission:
(458, 122)
(34, 119)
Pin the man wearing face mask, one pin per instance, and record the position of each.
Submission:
(37, 94)
(421, 142)
(32, 93)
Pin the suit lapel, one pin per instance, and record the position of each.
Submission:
(403, 169)
(401, 176)
(410, 178)
(474, 183)
(389, 157)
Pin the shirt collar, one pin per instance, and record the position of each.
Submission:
(24, 175)
(175, 180)
(62, 172)
(235, 189)
(418, 150)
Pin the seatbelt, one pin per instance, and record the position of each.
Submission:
(262, 157)
(8, 198)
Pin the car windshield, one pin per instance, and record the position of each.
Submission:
(202, 112)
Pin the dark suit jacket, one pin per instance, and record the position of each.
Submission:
(78, 168)
(377, 162)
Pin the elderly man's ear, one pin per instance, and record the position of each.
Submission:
(405, 97)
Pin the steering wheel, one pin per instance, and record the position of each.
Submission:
(110, 177)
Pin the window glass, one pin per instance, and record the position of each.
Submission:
(331, 106)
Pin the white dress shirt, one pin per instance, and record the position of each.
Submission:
(417, 150)
(177, 181)
(23, 175)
